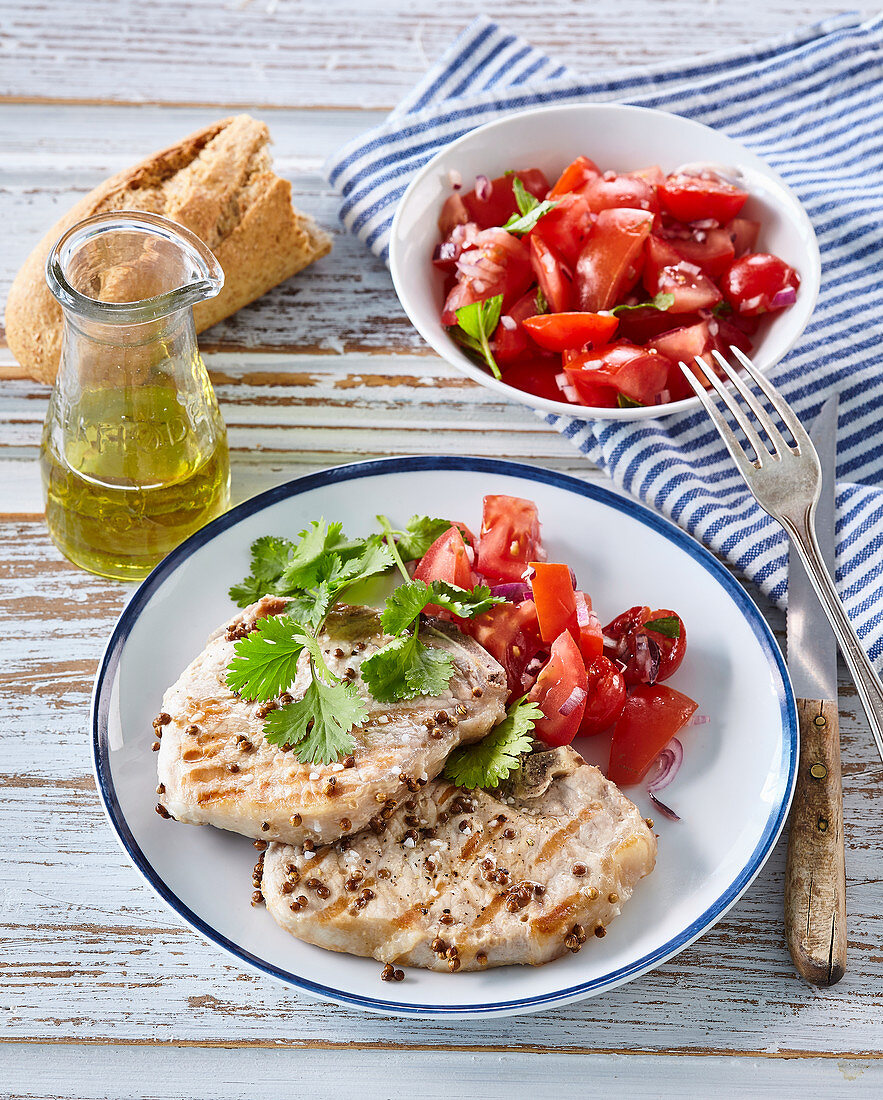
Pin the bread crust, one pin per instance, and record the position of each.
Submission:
(218, 182)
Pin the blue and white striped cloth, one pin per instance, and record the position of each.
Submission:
(811, 105)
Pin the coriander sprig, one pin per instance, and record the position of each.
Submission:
(490, 761)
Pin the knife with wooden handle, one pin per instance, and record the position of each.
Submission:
(815, 876)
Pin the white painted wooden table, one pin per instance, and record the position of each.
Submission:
(103, 993)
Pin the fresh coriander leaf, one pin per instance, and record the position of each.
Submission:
(662, 302)
(404, 605)
(405, 668)
(266, 660)
(420, 534)
(463, 602)
(524, 224)
(247, 591)
(479, 321)
(669, 626)
(524, 200)
(302, 569)
(627, 403)
(318, 725)
(490, 761)
(541, 304)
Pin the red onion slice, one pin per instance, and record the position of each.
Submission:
(666, 811)
(583, 615)
(483, 188)
(667, 764)
(514, 592)
(647, 659)
(576, 697)
(697, 720)
(785, 297)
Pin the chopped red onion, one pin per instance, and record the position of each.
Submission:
(528, 575)
(663, 397)
(697, 720)
(583, 615)
(508, 322)
(706, 223)
(751, 304)
(647, 658)
(666, 811)
(785, 297)
(576, 697)
(483, 188)
(514, 592)
(455, 179)
(667, 764)
(470, 553)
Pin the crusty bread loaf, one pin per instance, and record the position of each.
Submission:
(218, 183)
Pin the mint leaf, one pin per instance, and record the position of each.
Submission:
(530, 208)
(669, 626)
(722, 309)
(627, 403)
(524, 200)
(266, 660)
(490, 761)
(318, 725)
(662, 302)
(420, 534)
(478, 321)
(541, 304)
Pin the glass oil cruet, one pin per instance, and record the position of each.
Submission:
(134, 453)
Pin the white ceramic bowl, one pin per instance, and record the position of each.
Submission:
(615, 137)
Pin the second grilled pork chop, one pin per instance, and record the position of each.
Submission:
(216, 768)
(469, 879)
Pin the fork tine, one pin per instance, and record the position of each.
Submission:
(789, 417)
(736, 409)
(778, 441)
(744, 463)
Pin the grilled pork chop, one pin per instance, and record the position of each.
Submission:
(216, 768)
(463, 880)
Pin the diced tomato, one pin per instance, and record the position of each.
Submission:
(606, 688)
(620, 192)
(566, 228)
(608, 265)
(710, 249)
(636, 373)
(453, 213)
(560, 692)
(666, 273)
(554, 597)
(684, 343)
(446, 560)
(510, 538)
(575, 176)
(650, 653)
(511, 340)
(563, 331)
(642, 325)
(590, 391)
(729, 333)
(511, 634)
(700, 198)
(652, 175)
(589, 637)
(743, 233)
(752, 284)
(498, 263)
(554, 281)
(652, 716)
(535, 376)
(497, 207)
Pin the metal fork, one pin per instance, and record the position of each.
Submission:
(786, 482)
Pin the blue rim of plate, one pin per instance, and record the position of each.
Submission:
(778, 810)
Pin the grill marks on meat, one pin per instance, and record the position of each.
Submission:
(217, 768)
(464, 880)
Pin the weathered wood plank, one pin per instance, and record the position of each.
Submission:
(82, 936)
(36, 1072)
(353, 53)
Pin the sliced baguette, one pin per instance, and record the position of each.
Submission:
(218, 182)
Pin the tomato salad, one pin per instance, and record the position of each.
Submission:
(592, 289)
(586, 679)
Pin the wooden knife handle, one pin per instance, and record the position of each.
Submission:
(815, 875)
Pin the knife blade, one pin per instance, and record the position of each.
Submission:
(815, 879)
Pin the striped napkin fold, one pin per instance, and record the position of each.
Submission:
(811, 105)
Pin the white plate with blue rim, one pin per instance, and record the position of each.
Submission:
(732, 792)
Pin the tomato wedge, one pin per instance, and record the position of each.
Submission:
(554, 282)
(554, 597)
(510, 537)
(620, 192)
(609, 263)
(575, 176)
(446, 560)
(760, 283)
(636, 373)
(588, 629)
(699, 198)
(666, 273)
(560, 692)
(499, 264)
(651, 644)
(535, 376)
(606, 688)
(651, 717)
(566, 227)
(710, 249)
(511, 340)
(563, 331)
